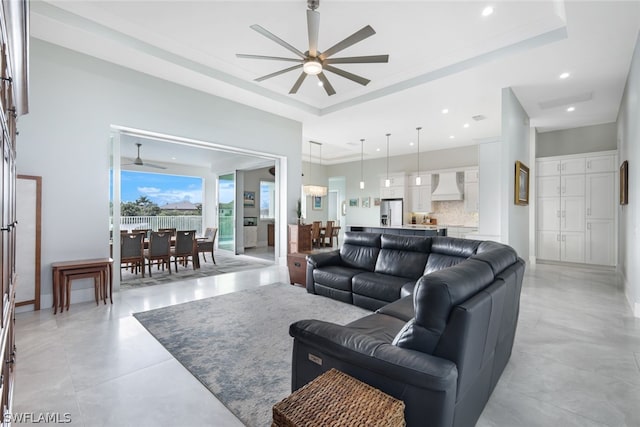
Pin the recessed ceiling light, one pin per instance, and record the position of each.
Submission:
(487, 11)
(173, 158)
(466, 125)
(452, 137)
(320, 83)
(445, 110)
(571, 109)
(411, 144)
(564, 75)
(377, 149)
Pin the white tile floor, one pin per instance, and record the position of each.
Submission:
(575, 362)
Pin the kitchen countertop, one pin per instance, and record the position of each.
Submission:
(403, 227)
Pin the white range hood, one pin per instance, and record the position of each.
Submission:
(449, 187)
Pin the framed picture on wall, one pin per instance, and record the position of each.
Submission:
(366, 202)
(353, 203)
(376, 201)
(316, 203)
(624, 183)
(521, 186)
(249, 199)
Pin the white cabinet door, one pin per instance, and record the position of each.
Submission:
(549, 214)
(549, 245)
(572, 247)
(548, 167)
(600, 195)
(471, 175)
(385, 193)
(572, 166)
(572, 185)
(250, 236)
(601, 164)
(548, 186)
(600, 242)
(572, 215)
(471, 196)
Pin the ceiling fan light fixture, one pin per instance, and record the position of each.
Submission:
(312, 66)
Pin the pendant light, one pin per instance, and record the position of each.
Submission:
(387, 182)
(311, 189)
(362, 164)
(418, 179)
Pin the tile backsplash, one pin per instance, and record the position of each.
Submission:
(451, 213)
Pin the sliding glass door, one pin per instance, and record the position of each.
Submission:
(226, 212)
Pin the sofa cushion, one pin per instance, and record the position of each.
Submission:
(379, 286)
(434, 297)
(403, 256)
(448, 251)
(496, 255)
(360, 250)
(368, 303)
(401, 309)
(335, 276)
(380, 327)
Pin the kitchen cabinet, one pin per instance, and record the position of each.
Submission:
(250, 236)
(397, 188)
(575, 215)
(471, 190)
(420, 195)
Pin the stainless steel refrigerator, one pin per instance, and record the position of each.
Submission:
(391, 212)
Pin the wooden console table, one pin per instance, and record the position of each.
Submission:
(65, 271)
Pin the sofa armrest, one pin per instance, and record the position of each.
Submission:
(324, 258)
(348, 344)
(319, 260)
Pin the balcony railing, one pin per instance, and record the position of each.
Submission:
(184, 222)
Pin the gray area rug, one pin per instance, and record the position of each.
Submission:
(238, 344)
(225, 263)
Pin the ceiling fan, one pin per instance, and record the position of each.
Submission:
(138, 161)
(313, 61)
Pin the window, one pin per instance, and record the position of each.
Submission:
(267, 200)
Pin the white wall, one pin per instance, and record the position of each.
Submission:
(628, 137)
(515, 144)
(586, 139)
(75, 99)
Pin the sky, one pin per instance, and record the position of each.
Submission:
(160, 188)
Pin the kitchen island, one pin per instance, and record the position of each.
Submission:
(402, 230)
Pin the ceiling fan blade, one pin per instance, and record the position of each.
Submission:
(277, 39)
(358, 59)
(151, 165)
(298, 82)
(277, 73)
(347, 75)
(327, 86)
(313, 26)
(274, 58)
(349, 41)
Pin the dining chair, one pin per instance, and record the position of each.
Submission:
(159, 250)
(185, 247)
(328, 232)
(335, 231)
(206, 243)
(316, 236)
(132, 252)
(172, 231)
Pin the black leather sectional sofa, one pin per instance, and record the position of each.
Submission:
(443, 329)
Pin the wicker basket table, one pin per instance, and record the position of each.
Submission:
(336, 399)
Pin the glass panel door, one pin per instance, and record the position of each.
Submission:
(226, 212)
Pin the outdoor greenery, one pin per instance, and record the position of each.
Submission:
(142, 206)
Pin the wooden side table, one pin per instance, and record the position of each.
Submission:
(337, 399)
(64, 271)
(297, 264)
